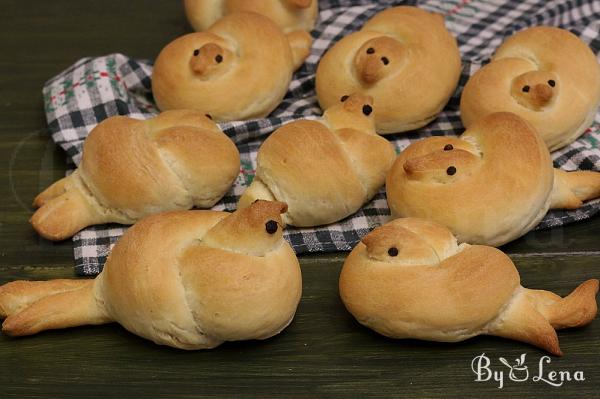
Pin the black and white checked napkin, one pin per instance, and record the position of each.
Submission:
(96, 88)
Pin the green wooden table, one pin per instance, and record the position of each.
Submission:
(323, 353)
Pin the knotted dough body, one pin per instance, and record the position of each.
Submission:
(547, 76)
(324, 170)
(404, 58)
(410, 279)
(134, 168)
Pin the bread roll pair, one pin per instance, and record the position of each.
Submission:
(324, 170)
(489, 186)
(547, 76)
(134, 168)
(239, 68)
(289, 15)
(403, 57)
(186, 279)
(411, 279)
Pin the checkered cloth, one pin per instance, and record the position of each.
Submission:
(96, 88)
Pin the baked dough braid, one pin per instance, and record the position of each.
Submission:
(187, 279)
(410, 279)
(133, 168)
(324, 170)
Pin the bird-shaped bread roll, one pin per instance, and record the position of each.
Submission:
(410, 279)
(404, 58)
(547, 76)
(133, 168)
(187, 279)
(240, 68)
(324, 170)
(289, 15)
(489, 186)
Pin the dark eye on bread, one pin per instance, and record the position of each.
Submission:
(393, 251)
(367, 109)
(370, 50)
(196, 52)
(451, 170)
(208, 116)
(385, 60)
(526, 89)
(448, 147)
(344, 98)
(219, 58)
(271, 226)
(552, 83)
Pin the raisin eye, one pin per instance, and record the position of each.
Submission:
(393, 251)
(367, 109)
(219, 58)
(271, 226)
(526, 89)
(552, 83)
(385, 60)
(451, 170)
(448, 147)
(196, 52)
(370, 50)
(344, 98)
(208, 116)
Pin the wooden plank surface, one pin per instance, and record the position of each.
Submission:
(323, 353)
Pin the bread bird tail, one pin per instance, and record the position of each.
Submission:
(572, 188)
(34, 306)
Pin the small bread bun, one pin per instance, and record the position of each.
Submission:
(545, 75)
(410, 279)
(489, 186)
(240, 68)
(404, 58)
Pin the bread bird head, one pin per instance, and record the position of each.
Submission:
(354, 111)
(255, 230)
(441, 160)
(535, 89)
(410, 242)
(210, 60)
(377, 58)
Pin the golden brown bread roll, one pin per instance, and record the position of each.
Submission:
(410, 279)
(324, 170)
(187, 279)
(289, 15)
(404, 58)
(133, 168)
(547, 76)
(489, 186)
(240, 68)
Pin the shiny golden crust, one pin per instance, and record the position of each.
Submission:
(240, 68)
(404, 58)
(409, 279)
(289, 15)
(324, 170)
(533, 74)
(500, 189)
(187, 279)
(133, 168)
